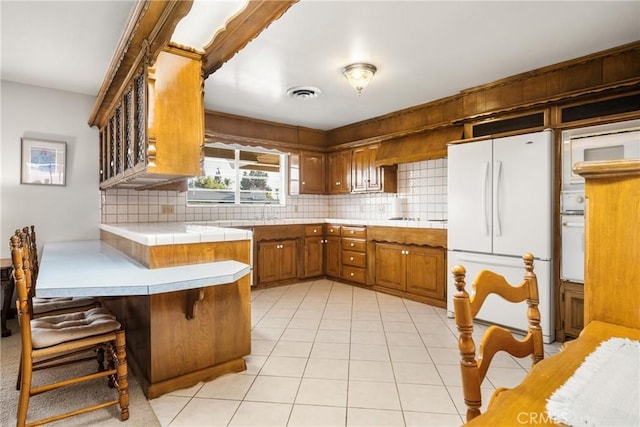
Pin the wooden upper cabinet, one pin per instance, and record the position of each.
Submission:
(155, 132)
(366, 176)
(339, 172)
(312, 173)
(374, 173)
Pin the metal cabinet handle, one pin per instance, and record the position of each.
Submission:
(350, 258)
(352, 274)
(352, 244)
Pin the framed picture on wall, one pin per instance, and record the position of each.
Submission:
(43, 162)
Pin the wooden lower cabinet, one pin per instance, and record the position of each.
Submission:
(573, 309)
(313, 261)
(390, 266)
(313, 256)
(168, 352)
(332, 256)
(406, 262)
(277, 260)
(417, 270)
(425, 272)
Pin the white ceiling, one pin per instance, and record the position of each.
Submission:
(424, 50)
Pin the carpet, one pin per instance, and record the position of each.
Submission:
(604, 390)
(66, 398)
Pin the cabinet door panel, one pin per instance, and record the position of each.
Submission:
(360, 165)
(312, 173)
(339, 167)
(268, 254)
(313, 256)
(390, 266)
(332, 257)
(425, 272)
(573, 311)
(287, 259)
(374, 178)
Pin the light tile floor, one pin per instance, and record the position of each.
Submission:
(330, 354)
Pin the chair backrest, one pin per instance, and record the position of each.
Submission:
(495, 338)
(33, 252)
(23, 304)
(26, 262)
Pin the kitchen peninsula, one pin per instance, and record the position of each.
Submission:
(181, 293)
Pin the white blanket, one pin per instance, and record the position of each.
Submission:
(604, 390)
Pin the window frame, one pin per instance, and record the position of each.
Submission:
(236, 166)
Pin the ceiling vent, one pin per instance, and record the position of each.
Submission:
(303, 92)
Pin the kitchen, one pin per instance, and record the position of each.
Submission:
(422, 183)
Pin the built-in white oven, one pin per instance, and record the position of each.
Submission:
(572, 264)
(606, 142)
(612, 141)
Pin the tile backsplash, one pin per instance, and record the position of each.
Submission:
(422, 194)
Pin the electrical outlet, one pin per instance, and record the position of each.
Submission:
(167, 209)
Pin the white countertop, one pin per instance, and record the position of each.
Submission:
(93, 268)
(168, 233)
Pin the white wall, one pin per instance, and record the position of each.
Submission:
(59, 213)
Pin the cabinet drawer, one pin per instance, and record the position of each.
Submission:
(356, 259)
(333, 230)
(355, 232)
(354, 274)
(313, 230)
(356, 245)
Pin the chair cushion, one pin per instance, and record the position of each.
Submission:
(52, 330)
(45, 305)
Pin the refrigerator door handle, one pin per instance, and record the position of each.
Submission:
(496, 198)
(485, 218)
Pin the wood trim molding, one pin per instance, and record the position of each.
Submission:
(229, 128)
(148, 30)
(241, 29)
(607, 169)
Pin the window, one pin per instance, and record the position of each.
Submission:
(239, 175)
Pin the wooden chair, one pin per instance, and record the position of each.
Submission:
(47, 306)
(54, 341)
(496, 338)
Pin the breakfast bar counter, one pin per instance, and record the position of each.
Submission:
(185, 304)
(94, 268)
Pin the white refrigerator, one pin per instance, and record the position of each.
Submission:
(499, 208)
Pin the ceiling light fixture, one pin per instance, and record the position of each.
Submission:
(359, 75)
